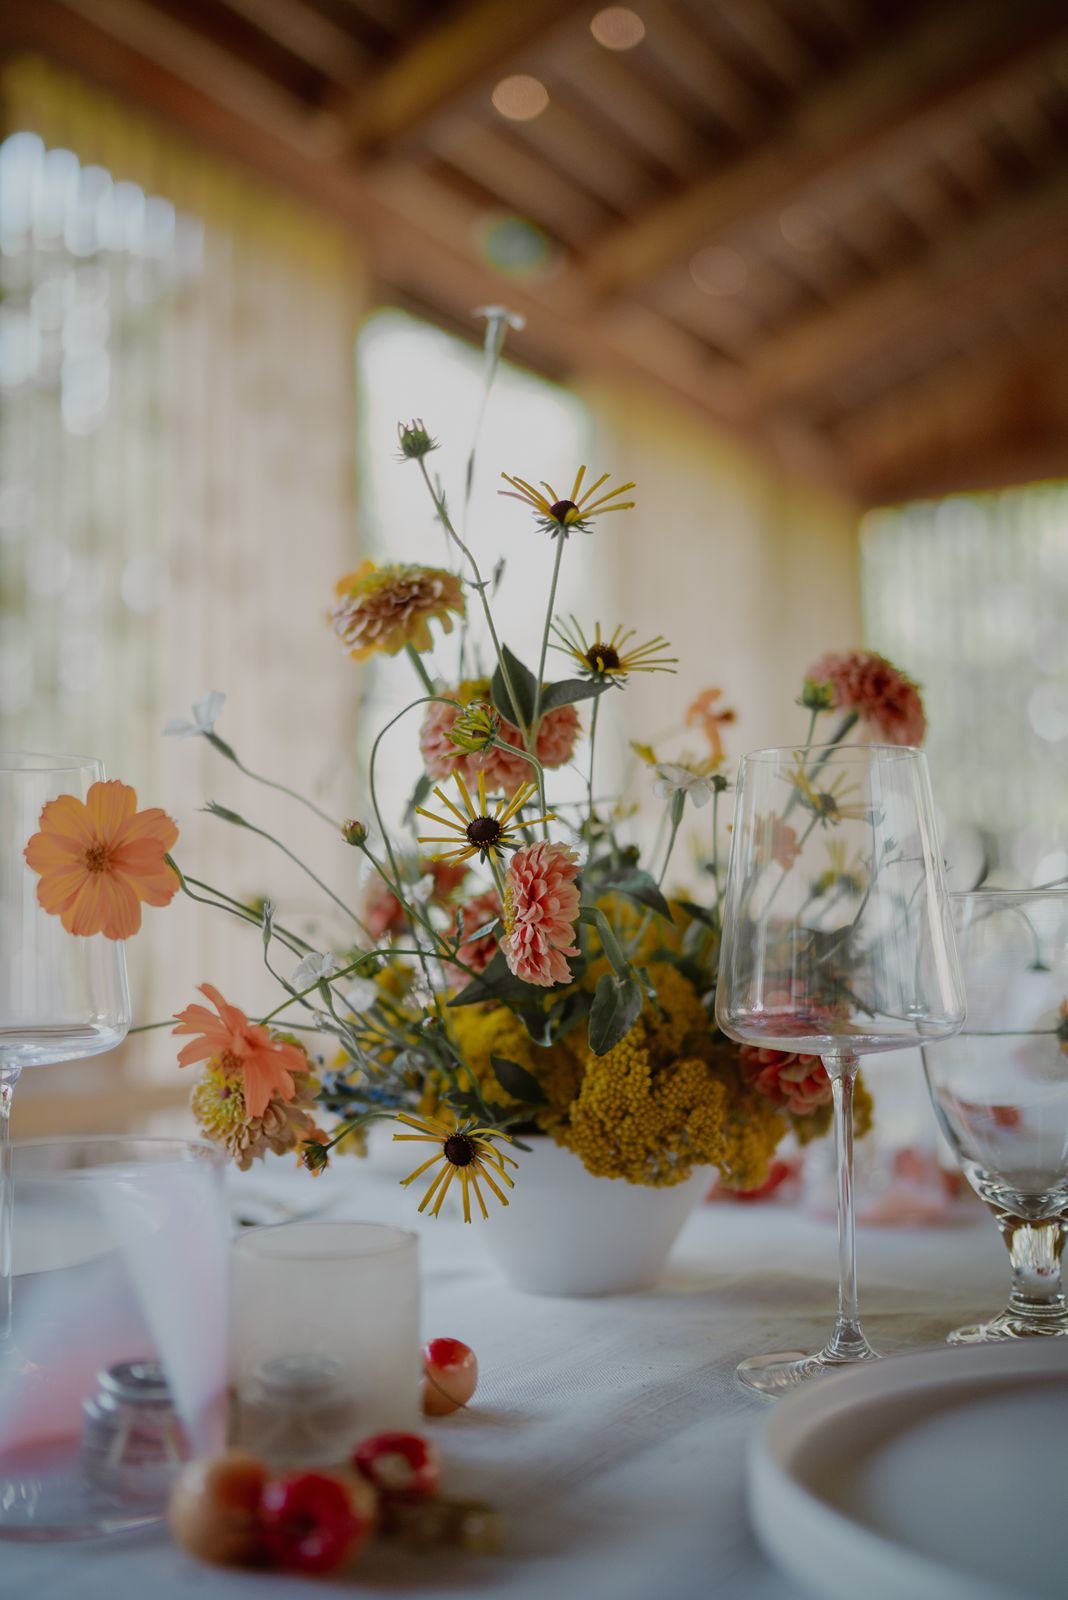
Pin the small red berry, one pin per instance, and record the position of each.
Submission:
(402, 1466)
(450, 1376)
(310, 1523)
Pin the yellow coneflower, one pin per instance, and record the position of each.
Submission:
(479, 831)
(614, 657)
(465, 1151)
(826, 804)
(560, 514)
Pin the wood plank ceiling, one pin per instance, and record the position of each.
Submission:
(839, 227)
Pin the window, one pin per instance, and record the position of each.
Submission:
(531, 426)
(970, 595)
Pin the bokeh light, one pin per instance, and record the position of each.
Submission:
(520, 98)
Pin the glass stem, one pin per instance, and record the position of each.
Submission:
(8, 1079)
(847, 1343)
(1035, 1250)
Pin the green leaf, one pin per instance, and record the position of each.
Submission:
(496, 983)
(523, 682)
(569, 690)
(697, 913)
(518, 1082)
(637, 886)
(617, 1005)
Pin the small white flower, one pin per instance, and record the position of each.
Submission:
(501, 314)
(204, 714)
(313, 968)
(361, 996)
(673, 778)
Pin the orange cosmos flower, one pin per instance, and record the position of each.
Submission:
(236, 1045)
(702, 713)
(100, 858)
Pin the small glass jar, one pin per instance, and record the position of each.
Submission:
(133, 1445)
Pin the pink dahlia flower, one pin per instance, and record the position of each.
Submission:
(478, 953)
(503, 772)
(796, 1083)
(886, 701)
(541, 908)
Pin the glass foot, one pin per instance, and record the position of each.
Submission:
(1008, 1326)
(776, 1375)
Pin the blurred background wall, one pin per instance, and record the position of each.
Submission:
(797, 267)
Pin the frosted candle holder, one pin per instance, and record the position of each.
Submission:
(325, 1338)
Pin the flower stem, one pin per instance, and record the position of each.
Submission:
(286, 851)
(417, 662)
(446, 522)
(268, 783)
(545, 633)
(589, 785)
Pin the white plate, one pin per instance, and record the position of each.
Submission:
(939, 1475)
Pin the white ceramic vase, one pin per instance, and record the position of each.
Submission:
(566, 1232)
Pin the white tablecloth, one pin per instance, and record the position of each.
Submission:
(611, 1433)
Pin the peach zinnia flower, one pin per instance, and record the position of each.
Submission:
(478, 953)
(383, 609)
(886, 701)
(100, 858)
(775, 840)
(227, 1038)
(701, 713)
(503, 771)
(541, 908)
(797, 1083)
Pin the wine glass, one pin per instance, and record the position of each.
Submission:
(837, 942)
(61, 997)
(1000, 1092)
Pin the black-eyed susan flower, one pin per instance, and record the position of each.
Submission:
(612, 657)
(559, 514)
(829, 805)
(478, 831)
(465, 1151)
(381, 610)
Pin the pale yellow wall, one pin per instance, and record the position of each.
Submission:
(749, 573)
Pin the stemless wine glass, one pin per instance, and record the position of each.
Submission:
(837, 942)
(1000, 1092)
(61, 997)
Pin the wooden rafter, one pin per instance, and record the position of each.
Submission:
(466, 47)
(993, 416)
(944, 54)
(1000, 245)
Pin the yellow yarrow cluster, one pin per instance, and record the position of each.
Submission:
(645, 1123)
(481, 1032)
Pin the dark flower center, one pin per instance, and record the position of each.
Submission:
(559, 511)
(602, 658)
(458, 1150)
(96, 858)
(484, 832)
(826, 805)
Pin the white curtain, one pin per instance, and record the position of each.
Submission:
(176, 384)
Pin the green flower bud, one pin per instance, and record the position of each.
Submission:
(475, 728)
(354, 832)
(817, 696)
(415, 441)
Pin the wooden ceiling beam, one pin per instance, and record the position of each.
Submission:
(307, 33)
(466, 47)
(907, 302)
(181, 49)
(908, 78)
(996, 414)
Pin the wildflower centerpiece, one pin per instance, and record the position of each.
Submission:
(520, 975)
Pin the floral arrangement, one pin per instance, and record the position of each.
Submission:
(518, 967)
